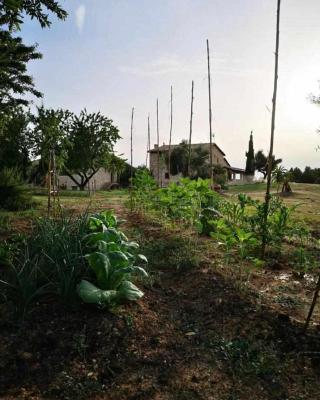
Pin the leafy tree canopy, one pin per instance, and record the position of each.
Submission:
(14, 54)
(261, 161)
(250, 158)
(199, 165)
(92, 137)
(12, 12)
(14, 80)
(50, 132)
(14, 141)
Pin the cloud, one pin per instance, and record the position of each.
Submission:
(171, 64)
(80, 16)
(162, 66)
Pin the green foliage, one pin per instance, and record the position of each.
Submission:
(199, 166)
(113, 260)
(309, 175)
(207, 220)
(179, 159)
(91, 137)
(49, 133)
(14, 141)
(250, 167)
(261, 161)
(48, 262)
(143, 189)
(12, 12)
(13, 194)
(14, 80)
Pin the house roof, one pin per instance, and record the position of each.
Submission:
(234, 169)
(165, 147)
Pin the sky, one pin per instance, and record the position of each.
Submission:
(112, 55)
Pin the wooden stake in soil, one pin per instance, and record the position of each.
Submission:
(313, 304)
(170, 135)
(210, 116)
(273, 117)
(131, 159)
(148, 141)
(158, 154)
(190, 133)
(53, 185)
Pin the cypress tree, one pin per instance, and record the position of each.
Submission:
(250, 158)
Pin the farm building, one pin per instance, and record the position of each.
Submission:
(235, 175)
(102, 179)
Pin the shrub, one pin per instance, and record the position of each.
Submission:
(13, 194)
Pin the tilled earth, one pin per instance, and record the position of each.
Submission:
(193, 336)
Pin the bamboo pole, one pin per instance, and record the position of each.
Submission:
(190, 133)
(273, 117)
(210, 115)
(49, 183)
(158, 153)
(170, 135)
(148, 141)
(131, 158)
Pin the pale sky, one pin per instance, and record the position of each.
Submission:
(112, 55)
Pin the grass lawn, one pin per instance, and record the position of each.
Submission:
(306, 196)
(70, 201)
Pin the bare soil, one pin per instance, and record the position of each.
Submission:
(194, 335)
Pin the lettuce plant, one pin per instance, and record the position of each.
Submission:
(113, 260)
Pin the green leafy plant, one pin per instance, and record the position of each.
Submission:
(113, 260)
(13, 194)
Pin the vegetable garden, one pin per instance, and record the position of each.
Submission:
(70, 284)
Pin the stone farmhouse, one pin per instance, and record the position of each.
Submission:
(235, 175)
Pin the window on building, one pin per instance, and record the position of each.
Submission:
(166, 175)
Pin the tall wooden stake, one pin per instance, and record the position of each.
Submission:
(273, 117)
(190, 133)
(131, 159)
(158, 154)
(313, 304)
(210, 116)
(148, 141)
(170, 136)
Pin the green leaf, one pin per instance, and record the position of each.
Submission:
(118, 259)
(127, 290)
(100, 263)
(89, 293)
(142, 258)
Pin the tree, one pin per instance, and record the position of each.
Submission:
(14, 141)
(199, 166)
(250, 158)
(261, 163)
(14, 80)
(14, 54)
(91, 140)
(12, 12)
(50, 132)
(179, 159)
(278, 175)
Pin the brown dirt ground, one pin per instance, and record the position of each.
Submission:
(173, 344)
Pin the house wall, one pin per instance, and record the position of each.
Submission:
(101, 180)
(217, 158)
